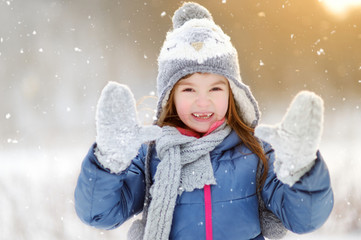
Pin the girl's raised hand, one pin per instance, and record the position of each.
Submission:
(119, 132)
(296, 138)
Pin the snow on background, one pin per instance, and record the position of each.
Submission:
(56, 56)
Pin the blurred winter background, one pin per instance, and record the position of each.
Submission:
(57, 55)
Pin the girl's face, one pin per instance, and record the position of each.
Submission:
(201, 100)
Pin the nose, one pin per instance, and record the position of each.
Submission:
(203, 100)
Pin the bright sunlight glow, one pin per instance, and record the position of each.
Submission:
(340, 6)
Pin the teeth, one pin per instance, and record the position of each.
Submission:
(204, 116)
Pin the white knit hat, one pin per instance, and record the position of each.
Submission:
(197, 44)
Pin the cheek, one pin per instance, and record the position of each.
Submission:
(223, 109)
(222, 105)
(181, 105)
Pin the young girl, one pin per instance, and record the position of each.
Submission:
(200, 172)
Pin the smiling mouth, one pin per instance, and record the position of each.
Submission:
(202, 115)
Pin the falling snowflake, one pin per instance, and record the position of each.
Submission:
(12, 141)
(321, 52)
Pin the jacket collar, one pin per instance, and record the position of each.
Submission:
(231, 141)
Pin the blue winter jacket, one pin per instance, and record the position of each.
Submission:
(106, 200)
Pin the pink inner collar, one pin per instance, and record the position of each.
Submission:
(191, 133)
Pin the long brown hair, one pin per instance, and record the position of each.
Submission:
(246, 134)
(170, 117)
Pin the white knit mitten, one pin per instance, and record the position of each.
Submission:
(119, 132)
(296, 138)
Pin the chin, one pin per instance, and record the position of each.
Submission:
(201, 129)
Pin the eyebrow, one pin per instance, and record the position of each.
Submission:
(220, 82)
(183, 82)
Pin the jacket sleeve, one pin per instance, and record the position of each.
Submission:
(105, 200)
(306, 205)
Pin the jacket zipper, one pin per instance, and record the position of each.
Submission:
(208, 211)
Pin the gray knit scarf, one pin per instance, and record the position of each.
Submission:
(185, 165)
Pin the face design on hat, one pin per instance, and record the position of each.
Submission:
(201, 100)
(197, 40)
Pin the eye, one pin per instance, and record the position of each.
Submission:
(187, 90)
(216, 89)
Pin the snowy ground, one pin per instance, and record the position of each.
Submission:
(37, 185)
(318, 236)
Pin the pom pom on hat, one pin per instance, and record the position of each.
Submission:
(188, 11)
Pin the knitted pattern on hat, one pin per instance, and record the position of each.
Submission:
(197, 44)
